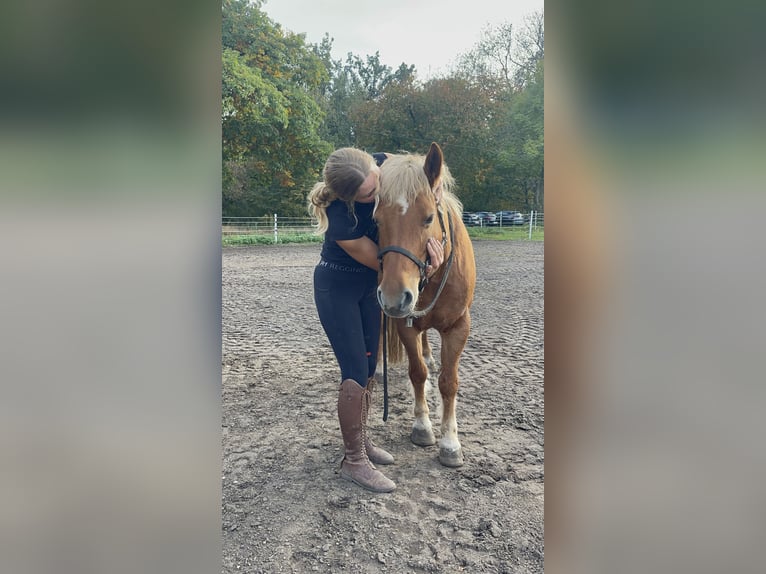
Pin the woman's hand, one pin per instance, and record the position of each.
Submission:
(436, 252)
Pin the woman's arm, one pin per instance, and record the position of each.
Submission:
(364, 250)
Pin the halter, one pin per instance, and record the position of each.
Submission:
(414, 258)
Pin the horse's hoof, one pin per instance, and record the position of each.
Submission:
(451, 458)
(423, 437)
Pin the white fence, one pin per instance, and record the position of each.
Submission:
(272, 225)
(275, 225)
(536, 221)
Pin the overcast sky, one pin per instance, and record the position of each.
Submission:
(427, 33)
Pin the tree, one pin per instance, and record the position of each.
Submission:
(530, 49)
(250, 105)
(345, 92)
(520, 165)
(355, 88)
(286, 105)
(503, 59)
(272, 150)
(508, 69)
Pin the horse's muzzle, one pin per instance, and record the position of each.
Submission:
(399, 305)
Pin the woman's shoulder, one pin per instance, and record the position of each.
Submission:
(338, 213)
(337, 206)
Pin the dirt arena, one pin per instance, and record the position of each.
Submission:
(285, 508)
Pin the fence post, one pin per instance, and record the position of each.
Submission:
(531, 222)
(276, 233)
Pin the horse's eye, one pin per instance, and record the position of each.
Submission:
(429, 220)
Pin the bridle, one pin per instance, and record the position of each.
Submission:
(421, 285)
(423, 264)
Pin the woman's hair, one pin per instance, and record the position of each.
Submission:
(344, 172)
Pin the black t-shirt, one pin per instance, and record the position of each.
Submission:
(342, 225)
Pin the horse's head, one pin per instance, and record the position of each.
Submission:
(406, 212)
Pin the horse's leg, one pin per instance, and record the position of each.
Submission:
(427, 355)
(422, 432)
(453, 343)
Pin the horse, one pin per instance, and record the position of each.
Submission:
(414, 203)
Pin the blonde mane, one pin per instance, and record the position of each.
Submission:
(403, 177)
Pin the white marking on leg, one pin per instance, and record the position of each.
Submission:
(422, 420)
(449, 438)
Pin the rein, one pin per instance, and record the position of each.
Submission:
(421, 285)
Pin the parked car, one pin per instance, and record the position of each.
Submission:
(471, 219)
(487, 218)
(510, 218)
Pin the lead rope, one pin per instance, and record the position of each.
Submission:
(445, 275)
(385, 368)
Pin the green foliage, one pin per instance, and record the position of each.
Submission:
(508, 69)
(250, 105)
(519, 165)
(286, 105)
(272, 150)
(356, 86)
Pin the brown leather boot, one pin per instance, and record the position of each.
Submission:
(356, 466)
(376, 454)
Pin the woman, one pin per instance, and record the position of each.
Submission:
(345, 284)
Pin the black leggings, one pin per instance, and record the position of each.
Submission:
(350, 315)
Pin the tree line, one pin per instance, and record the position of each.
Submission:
(286, 104)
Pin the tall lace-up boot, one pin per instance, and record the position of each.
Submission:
(356, 465)
(376, 454)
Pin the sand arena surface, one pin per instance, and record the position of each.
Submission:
(285, 508)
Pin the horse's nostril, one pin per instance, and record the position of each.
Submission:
(407, 298)
(380, 297)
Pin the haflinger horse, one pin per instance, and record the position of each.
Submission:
(415, 203)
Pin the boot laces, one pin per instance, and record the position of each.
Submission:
(365, 437)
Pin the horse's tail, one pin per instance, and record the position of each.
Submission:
(395, 347)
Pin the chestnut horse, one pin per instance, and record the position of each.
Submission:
(415, 203)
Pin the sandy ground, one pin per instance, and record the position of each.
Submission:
(285, 508)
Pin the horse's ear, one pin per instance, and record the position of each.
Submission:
(433, 169)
